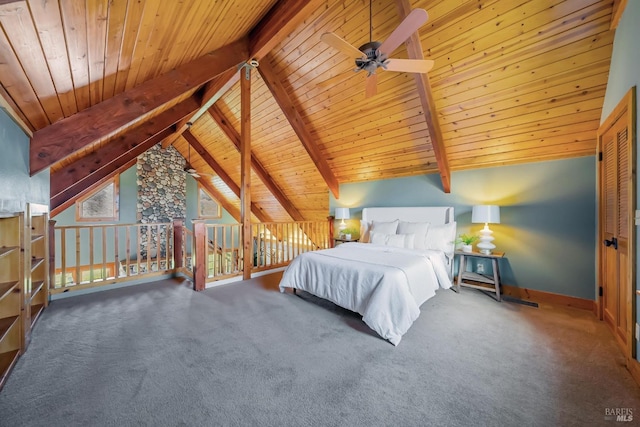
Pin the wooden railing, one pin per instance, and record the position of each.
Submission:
(276, 244)
(96, 255)
(219, 248)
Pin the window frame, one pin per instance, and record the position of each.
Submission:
(200, 216)
(116, 202)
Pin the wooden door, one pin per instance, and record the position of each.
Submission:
(617, 201)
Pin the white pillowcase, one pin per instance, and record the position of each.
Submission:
(396, 240)
(441, 237)
(367, 227)
(384, 227)
(420, 229)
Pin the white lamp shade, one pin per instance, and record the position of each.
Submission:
(486, 214)
(342, 213)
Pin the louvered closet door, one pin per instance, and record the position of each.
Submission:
(610, 285)
(616, 199)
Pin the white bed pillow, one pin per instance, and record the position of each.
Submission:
(396, 240)
(441, 237)
(420, 229)
(384, 227)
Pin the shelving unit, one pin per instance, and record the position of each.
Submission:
(36, 290)
(11, 338)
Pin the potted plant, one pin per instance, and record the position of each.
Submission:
(348, 232)
(467, 241)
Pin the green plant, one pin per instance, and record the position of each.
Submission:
(467, 239)
(349, 230)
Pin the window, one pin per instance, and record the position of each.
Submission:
(99, 205)
(208, 207)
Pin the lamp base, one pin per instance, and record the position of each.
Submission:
(485, 246)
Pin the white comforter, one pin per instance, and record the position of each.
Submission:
(386, 285)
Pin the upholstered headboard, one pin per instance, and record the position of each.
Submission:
(434, 215)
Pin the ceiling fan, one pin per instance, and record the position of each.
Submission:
(373, 55)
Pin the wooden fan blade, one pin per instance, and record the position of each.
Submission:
(410, 65)
(410, 25)
(372, 86)
(342, 45)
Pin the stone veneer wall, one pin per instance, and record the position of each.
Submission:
(162, 193)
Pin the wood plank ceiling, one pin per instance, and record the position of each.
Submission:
(513, 82)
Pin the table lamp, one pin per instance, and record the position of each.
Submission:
(487, 214)
(342, 214)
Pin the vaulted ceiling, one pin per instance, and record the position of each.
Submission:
(97, 82)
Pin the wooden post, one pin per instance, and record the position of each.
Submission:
(199, 262)
(52, 259)
(245, 169)
(331, 218)
(178, 232)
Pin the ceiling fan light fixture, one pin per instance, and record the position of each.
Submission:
(373, 55)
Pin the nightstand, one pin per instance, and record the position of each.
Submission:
(466, 278)
(338, 240)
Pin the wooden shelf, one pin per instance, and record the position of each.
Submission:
(7, 362)
(35, 262)
(7, 287)
(5, 250)
(11, 284)
(476, 277)
(36, 310)
(24, 257)
(6, 324)
(36, 287)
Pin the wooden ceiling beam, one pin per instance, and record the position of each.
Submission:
(213, 91)
(278, 23)
(414, 50)
(99, 181)
(72, 193)
(71, 200)
(233, 135)
(137, 139)
(67, 136)
(218, 169)
(294, 117)
(245, 167)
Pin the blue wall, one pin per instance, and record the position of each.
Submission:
(16, 186)
(547, 212)
(623, 75)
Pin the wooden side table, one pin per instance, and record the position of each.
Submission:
(493, 279)
(338, 240)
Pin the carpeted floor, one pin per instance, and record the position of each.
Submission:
(159, 354)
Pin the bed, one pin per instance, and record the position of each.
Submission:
(403, 257)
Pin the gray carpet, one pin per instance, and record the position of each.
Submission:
(160, 354)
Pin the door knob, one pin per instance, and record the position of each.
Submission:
(613, 242)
